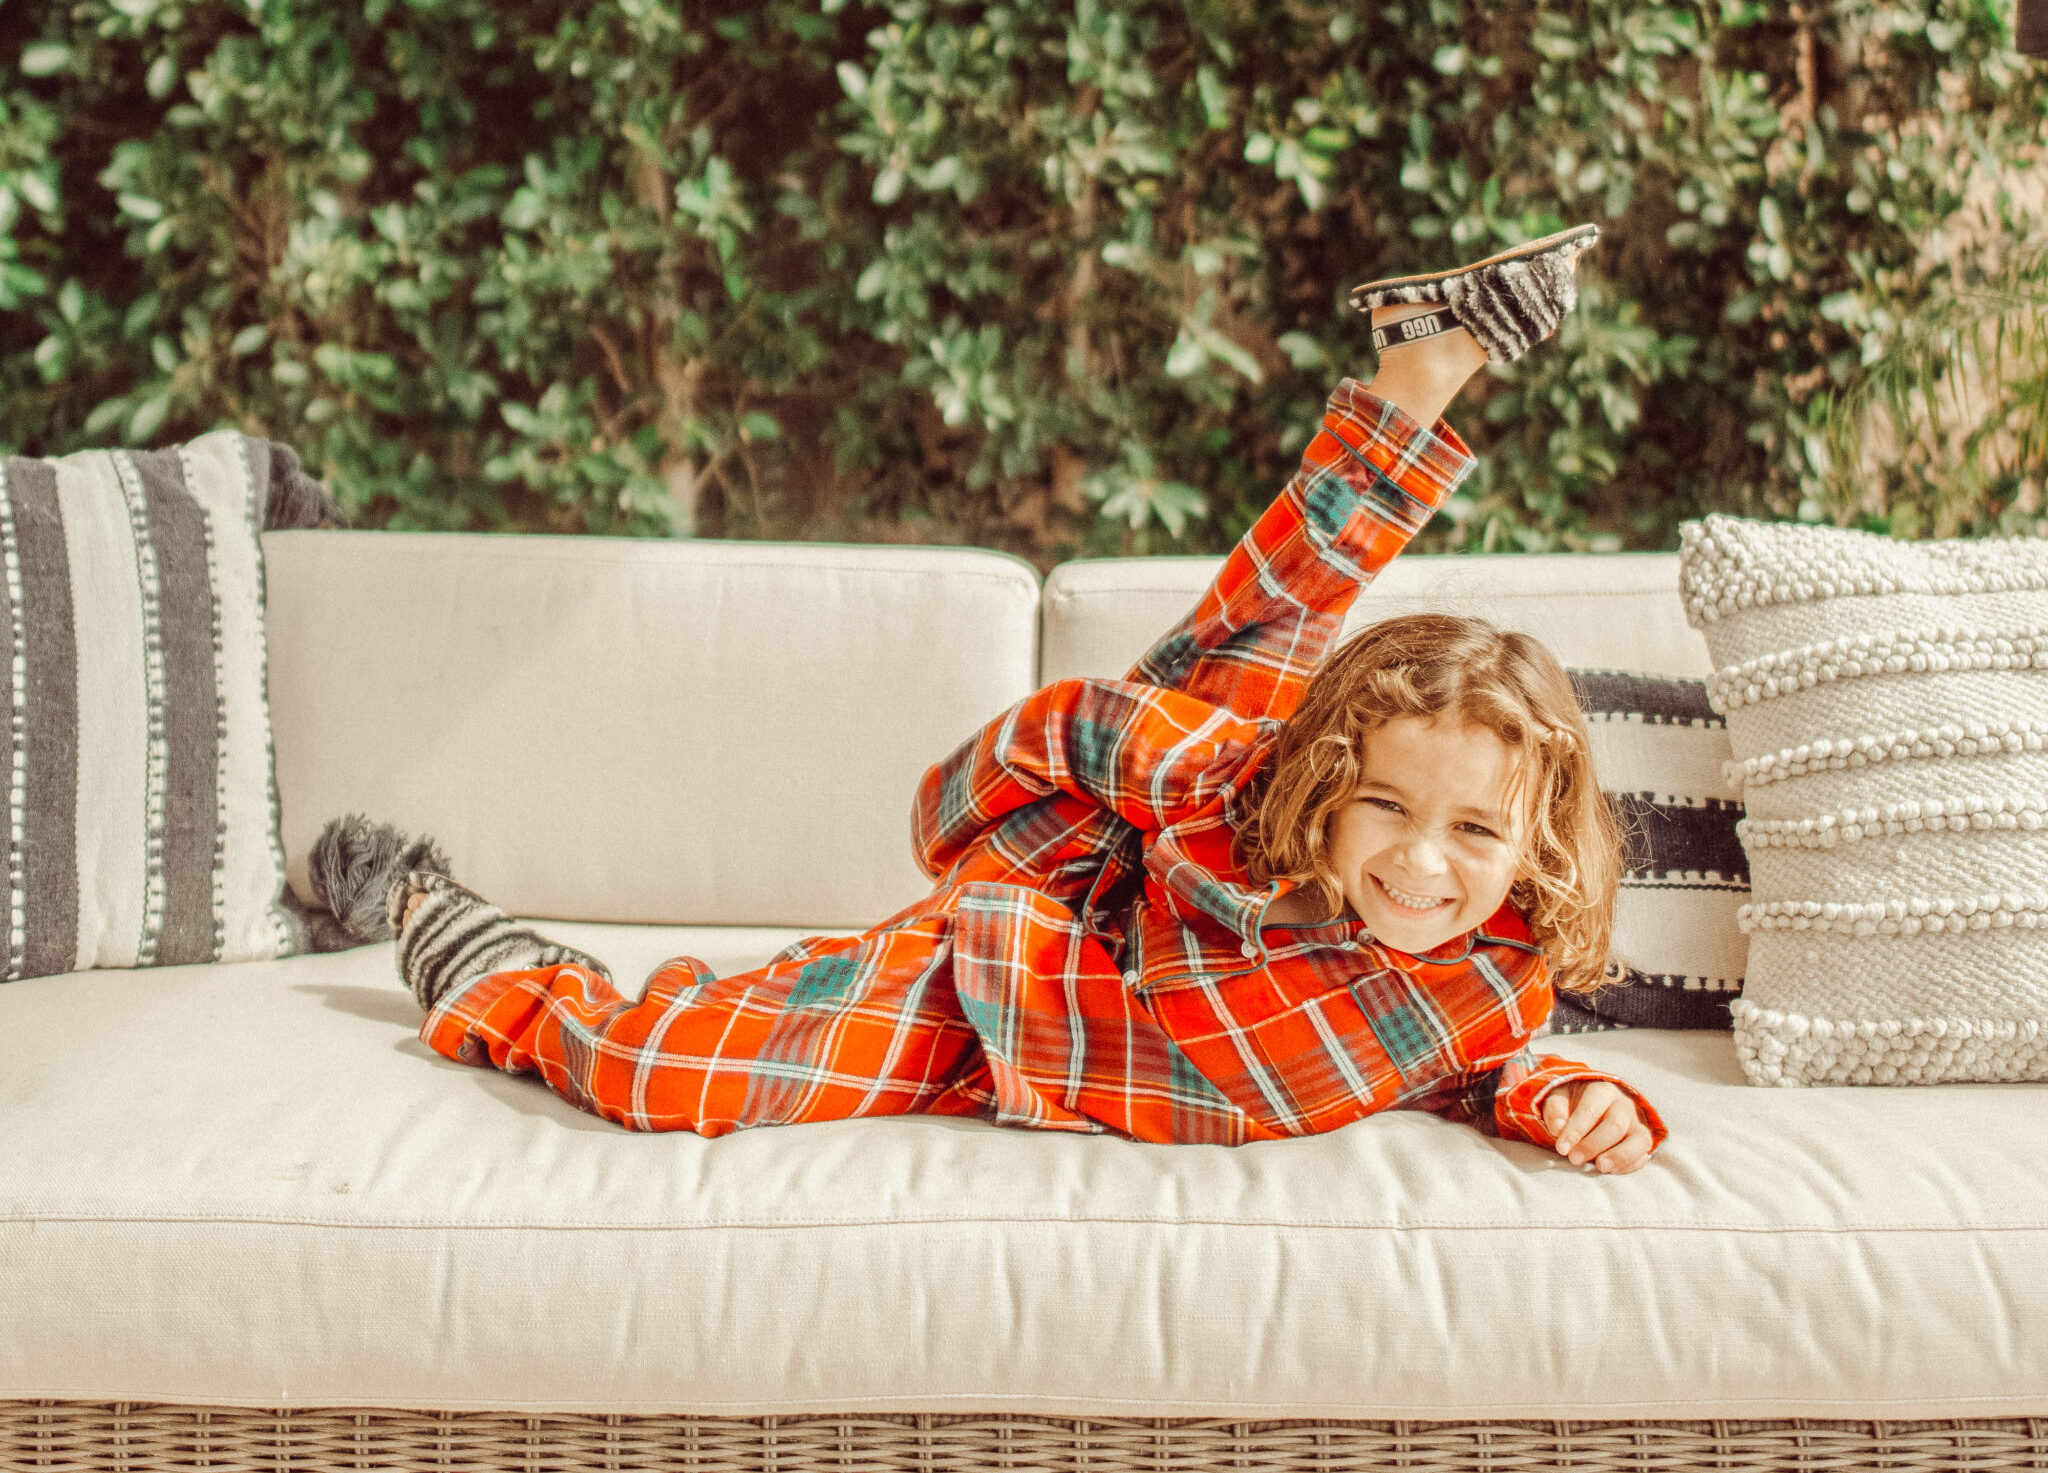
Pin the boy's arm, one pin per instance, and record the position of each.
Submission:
(1368, 482)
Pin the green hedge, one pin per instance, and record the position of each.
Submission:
(1065, 279)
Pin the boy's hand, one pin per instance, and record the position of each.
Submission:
(1591, 1120)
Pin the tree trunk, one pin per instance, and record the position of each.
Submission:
(2033, 27)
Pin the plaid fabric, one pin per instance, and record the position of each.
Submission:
(1091, 958)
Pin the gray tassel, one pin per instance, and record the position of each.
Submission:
(296, 499)
(350, 869)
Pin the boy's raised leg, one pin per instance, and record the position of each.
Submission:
(1370, 479)
(1383, 463)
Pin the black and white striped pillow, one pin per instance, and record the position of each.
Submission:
(1678, 955)
(135, 754)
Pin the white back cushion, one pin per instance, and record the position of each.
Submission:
(616, 730)
(1614, 612)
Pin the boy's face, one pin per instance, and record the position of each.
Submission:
(1430, 844)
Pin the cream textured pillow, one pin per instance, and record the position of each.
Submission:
(1887, 706)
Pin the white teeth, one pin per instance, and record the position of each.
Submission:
(1413, 902)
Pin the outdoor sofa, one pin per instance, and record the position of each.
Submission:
(248, 1220)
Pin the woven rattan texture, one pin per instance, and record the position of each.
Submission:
(78, 1436)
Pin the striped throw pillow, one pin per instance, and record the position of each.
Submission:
(1677, 958)
(1887, 707)
(142, 807)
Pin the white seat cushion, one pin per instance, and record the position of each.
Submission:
(252, 1184)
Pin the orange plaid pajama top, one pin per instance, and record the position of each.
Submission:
(1090, 957)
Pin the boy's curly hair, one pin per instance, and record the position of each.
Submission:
(1430, 665)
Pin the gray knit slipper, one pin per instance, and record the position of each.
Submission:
(1509, 302)
(457, 934)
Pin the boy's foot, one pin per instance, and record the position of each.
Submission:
(448, 933)
(1508, 302)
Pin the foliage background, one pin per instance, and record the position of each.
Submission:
(1061, 278)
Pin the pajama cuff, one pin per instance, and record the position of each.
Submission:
(448, 1024)
(1428, 464)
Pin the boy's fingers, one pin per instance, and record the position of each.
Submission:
(1589, 1107)
(1609, 1130)
(1556, 1105)
(1630, 1154)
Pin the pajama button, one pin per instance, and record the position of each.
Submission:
(1250, 950)
(1131, 979)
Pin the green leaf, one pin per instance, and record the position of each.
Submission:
(1771, 219)
(37, 191)
(148, 418)
(18, 281)
(105, 415)
(1302, 350)
(1186, 356)
(1215, 99)
(249, 339)
(44, 58)
(1173, 502)
(162, 77)
(524, 210)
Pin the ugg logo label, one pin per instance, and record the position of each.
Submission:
(1415, 327)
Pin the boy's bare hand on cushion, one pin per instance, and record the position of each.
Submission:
(1592, 1120)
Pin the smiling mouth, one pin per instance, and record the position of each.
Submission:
(1412, 904)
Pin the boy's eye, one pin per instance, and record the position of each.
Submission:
(1478, 828)
(1387, 803)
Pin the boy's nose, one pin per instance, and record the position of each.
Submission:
(1423, 855)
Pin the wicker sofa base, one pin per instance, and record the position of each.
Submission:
(133, 1437)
